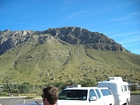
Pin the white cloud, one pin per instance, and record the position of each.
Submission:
(32, 24)
(84, 13)
(136, 51)
(132, 44)
(76, 14)
(126, 17)
(134, 14)
(119, 19)
(126, 34)
(134, 39)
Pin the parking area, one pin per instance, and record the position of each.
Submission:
(135, 100)
(16, 100)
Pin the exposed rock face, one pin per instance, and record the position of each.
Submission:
(71, 35)
(76, 35)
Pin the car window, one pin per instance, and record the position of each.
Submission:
(92, 93)
(73, 95)
(98, 93)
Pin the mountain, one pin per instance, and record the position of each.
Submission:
(71, 35)
(62, 55)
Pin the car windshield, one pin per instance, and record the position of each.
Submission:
(73, 95)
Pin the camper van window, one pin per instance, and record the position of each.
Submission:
(105, 92)
(128, 87)
(122, 88)
(125, 88)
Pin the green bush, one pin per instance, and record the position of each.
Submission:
(24, 88)
(61, 86)
(86, 83)
(134, 87)
(29, 97)
(3, 94)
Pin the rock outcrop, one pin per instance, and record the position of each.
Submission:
(71, 35)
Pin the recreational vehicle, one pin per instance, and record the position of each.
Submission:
(119, 89)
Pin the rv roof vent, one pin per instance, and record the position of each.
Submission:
(115, 78)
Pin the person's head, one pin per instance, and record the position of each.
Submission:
(50, 95)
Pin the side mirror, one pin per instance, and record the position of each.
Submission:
(93, 98)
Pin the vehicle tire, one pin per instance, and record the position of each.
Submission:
(126, 102)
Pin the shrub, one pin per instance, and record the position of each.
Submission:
(24, 88)
(134, 87)
(3, 94)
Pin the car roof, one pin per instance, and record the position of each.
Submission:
(81, 88)
(113, 82)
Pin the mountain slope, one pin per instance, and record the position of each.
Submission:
(63, 54)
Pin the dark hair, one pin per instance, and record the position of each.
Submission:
(51, 94)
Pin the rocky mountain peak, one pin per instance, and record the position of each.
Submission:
(77, 35)
(71, 35)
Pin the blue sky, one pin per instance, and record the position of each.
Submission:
(117, 19)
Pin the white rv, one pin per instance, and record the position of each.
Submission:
(119, 89)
